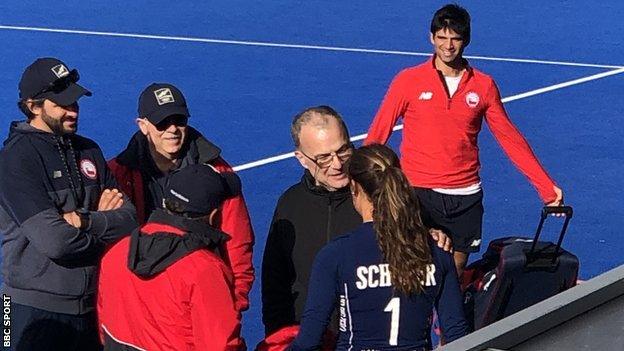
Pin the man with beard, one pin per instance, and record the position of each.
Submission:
(164, 143)
(59, 210)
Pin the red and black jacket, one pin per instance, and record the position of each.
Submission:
(164, 287)
(234, 215)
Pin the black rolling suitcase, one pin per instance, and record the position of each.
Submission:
(517, 272)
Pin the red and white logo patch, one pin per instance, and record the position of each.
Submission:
(88, 169)
(472, 99)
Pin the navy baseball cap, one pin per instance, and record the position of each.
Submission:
(196, 190)
(49, 78)
(161, 100)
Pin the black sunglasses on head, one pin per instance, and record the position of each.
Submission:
(60, 84)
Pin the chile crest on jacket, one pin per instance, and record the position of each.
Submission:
(472, 99)
(87, 167)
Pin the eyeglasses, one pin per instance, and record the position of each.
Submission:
(176, 120)
(60, 84)
(325, 160)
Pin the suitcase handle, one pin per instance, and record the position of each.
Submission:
(567, 211)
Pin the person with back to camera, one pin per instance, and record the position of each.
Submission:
(387, 275)
(166, 287)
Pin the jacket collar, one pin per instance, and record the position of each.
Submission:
(309, 184)
(151, 252)
(19, 129)
(431, 64)
(197, 149)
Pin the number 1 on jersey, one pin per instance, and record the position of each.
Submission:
(394, 306)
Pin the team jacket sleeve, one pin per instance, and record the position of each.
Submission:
(449, 303)
(278, 276)
(214, 315)
(321, 300)
(515, 145)
(110, 226)
(25, 198)
(393, 106)
(239, 249)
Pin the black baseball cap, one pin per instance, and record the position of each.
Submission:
(198, 189)
(49, 78)
(161, 100)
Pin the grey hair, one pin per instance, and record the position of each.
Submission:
(319, 115)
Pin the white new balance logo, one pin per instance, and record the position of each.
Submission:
(425, 95)
(164, 96)
(487, 285)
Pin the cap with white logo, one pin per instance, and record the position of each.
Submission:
(49, 78)
(161, 100)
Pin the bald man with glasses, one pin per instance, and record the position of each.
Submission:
(308, 215)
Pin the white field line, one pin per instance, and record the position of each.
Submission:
(291, 46)
(618, 69)
(400, 126)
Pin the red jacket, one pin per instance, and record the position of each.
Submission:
(156, 295)
(234, 215)
(439, 147)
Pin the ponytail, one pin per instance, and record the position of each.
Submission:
(401, 235)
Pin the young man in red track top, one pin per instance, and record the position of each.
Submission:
(443, 102)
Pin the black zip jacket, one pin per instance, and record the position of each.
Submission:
(47, 263)
(306, 218)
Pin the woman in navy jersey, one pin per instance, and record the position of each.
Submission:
(385, 277)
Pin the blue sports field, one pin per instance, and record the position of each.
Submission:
(247, 67)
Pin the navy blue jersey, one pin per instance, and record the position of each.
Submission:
(350, 274)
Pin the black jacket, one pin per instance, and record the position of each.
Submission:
(306, 218)
(47, 263)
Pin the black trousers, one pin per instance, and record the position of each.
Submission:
(34, 329)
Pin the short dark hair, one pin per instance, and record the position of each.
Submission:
(23, 106)
(453, 17)
(306, 116)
